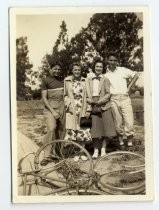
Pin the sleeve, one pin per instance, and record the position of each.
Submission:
(67, 100)
(89, 106)
(44, 84)
(105, 92)
(128, 73)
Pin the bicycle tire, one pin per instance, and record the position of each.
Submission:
(119, 178)
(65, 158)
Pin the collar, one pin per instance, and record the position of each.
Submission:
(60, 78)
(71, 79)
(108, 71)
(96, 77)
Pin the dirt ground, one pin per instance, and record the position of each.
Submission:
(33, 126)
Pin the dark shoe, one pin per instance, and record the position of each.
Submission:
(122, 148)
(131, 149)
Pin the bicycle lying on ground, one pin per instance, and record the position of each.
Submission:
(117, 173)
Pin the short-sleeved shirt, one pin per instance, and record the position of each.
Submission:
(55, 91)
(52, 83)
(118, 79)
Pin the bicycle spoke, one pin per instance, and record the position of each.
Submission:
(63, 168)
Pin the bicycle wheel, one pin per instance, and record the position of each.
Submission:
(121, 173)
(62, 170)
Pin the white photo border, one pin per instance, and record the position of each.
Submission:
(147, 104)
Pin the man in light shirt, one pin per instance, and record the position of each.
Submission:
(120, 101)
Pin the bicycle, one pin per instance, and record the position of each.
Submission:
(113, 174)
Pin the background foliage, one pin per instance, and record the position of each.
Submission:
(119, 32)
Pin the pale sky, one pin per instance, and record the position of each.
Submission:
(42, 31)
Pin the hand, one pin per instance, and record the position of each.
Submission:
(56, 115)
(129, 90)
(90, 101)
(70, 109)
(98, 103)
(87, 115)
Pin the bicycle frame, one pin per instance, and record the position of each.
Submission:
(40, 177)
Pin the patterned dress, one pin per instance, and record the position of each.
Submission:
(80, 134)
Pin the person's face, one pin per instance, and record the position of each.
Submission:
(76, 71)
(55, 71)
(112, 62)
(98, 68)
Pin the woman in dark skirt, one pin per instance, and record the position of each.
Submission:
(102, 121)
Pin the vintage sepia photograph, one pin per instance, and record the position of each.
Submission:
(81, 119)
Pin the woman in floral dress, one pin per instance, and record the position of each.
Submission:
(76, 107)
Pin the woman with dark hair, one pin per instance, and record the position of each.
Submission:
(76, 107)
(98, 97)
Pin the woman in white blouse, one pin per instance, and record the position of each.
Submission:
(99, 97)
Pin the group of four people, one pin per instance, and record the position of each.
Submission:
(103, 96)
